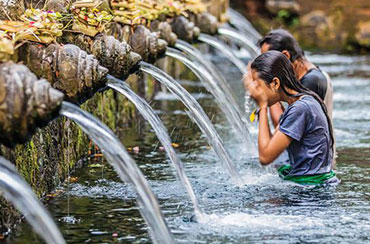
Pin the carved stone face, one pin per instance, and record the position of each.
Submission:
(207, 23)
(117, 56)
(165, 31)
(26, 103)
(184, 29)
(147, 44)
(68, 68)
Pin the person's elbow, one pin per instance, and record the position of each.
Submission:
(265, 159)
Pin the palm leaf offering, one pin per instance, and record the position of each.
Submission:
(35, 25)
(194, 6)
(6, 46)
(88, 18)
(126, 12)
(172, 8)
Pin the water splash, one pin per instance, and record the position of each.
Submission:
(224, 49)
(18, 192)
(228, 107)
(126, 168)
(197, 114)
(148, 113)
(240, 39)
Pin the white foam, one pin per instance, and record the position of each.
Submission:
(256, 222)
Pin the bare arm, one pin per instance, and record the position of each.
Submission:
(276, 111)
(270, 146)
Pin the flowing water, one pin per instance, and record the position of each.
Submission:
(224, 49)
(197, 114)
(240, 39)
(125, 167)
(230, 109)
(20, 194)
(242, 24)
(265, 210)
(198, 56)
(148, 113)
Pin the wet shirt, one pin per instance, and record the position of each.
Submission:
(309, 152)
(316, 81)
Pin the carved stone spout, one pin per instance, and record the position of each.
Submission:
(146, 43)
(165, 31)
(206, 22)
(116, 56)
(25, 103)
(68, 68)
(184, 29)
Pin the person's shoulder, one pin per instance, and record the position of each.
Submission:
(313, 76)
(300, 106)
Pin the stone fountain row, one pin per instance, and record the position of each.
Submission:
(66, 49)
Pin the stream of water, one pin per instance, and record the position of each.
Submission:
(225, 50)
(241, 40)
(20, 194)
(242, 24)
(229, 109)
(125, 167)
(148, 113)
(197, 114)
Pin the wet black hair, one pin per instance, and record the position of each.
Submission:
(280, 40)
(275, 64)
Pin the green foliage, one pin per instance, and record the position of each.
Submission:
(287, 18)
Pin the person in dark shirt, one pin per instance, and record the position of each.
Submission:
(310, 75)
(304, 130)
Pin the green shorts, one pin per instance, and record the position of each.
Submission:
(305, 179)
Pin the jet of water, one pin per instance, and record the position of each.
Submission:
(224, 49)
(242, 24)
(227, 106)
(148, 113)
(197, 114)
(125, 166)
(198, 56)
(240, 39)
(18, 192)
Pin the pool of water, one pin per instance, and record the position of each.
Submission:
(99, 208)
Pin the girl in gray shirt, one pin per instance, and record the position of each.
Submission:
(305, 130)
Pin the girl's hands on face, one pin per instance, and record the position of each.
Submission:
(255, 89)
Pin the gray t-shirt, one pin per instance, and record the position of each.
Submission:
(305, 122)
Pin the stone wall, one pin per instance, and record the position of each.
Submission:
(328, 25)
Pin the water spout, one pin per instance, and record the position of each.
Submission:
(18, 192)
(224, 49)
(197, 114)
(227, 106)
(126, 168)
(240, 39)
(148, 113)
